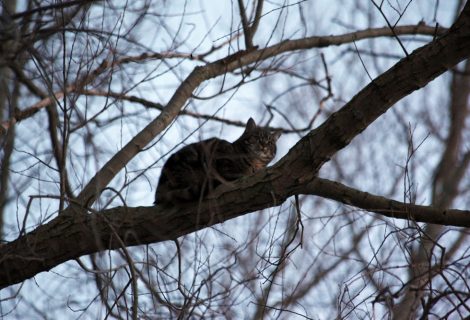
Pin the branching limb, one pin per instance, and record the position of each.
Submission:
(386, 207)
(87, 232)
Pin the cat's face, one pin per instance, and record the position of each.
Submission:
(260, 141)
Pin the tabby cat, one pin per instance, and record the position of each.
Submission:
(197, 169)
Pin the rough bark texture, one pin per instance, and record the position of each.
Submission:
(75, 234)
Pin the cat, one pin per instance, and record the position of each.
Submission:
(197, 169)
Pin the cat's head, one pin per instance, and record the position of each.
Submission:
(260, 142)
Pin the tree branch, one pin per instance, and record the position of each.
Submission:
(246, 26)
(387, 207)
(257, 18)
(50, 244)
(290, 45)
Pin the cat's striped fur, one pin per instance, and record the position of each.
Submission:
(197, 169)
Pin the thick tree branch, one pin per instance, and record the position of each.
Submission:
(50, 244)
(408, 75)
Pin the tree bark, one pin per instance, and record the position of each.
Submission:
(78, 232)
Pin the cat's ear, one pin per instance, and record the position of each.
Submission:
(250, 125)
(276, 134)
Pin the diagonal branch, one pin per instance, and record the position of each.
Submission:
(290, 45)
(243, 58)
(50, 244)
(408, 75)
